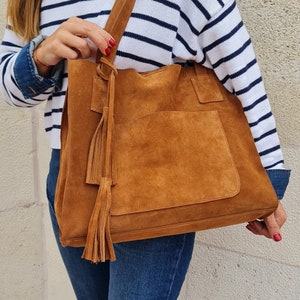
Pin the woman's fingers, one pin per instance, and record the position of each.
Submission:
(273, 228)
(87, 31)
(270, 226)
(75, 38)
(258, 227)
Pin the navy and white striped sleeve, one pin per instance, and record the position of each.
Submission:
(21, 85)
(228, 50)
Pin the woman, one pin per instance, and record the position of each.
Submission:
(34, 69)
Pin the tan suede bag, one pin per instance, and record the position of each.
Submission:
(152, 154)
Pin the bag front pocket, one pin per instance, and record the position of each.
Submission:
(169, 159)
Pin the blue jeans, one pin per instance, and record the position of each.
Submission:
(149, 269)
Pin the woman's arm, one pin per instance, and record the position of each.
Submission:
(228, 50)
(21, 84)
(31, 72)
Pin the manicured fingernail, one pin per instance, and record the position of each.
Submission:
(277, 237)
(112, 42)
(107, 51)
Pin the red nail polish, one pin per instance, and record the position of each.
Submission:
(277, 237)
(107, 51)
(112, 42)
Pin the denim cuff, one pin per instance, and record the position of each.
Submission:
(26, 74)
(280, 180)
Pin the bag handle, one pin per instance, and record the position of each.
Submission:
(116, 25)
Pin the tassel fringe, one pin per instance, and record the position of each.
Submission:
(97, 152)
(99, 246)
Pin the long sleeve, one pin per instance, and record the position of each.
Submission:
(21, 84)
(228, 50)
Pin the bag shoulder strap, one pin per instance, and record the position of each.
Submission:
(116, 24)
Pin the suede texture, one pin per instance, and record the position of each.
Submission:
(178, 155)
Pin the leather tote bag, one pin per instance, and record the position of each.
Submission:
(152, 154)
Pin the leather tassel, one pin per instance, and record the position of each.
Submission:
(99, 247)
(106, 244)
(97, 151)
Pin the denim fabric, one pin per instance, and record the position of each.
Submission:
(151, 269)
(89, 281)
(29, 81)
(280, 180)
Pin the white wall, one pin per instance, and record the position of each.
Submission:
(228, 263)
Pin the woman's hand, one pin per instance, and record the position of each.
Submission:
(75, 38)
(270, 226)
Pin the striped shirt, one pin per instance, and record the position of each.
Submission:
(159, 32)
